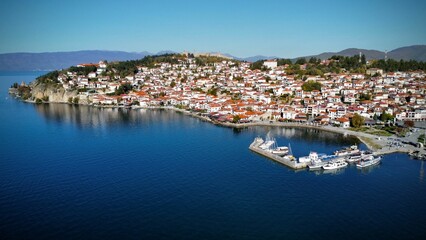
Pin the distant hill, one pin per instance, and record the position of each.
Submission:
(416, 52)
(61, 60)
(256, 58)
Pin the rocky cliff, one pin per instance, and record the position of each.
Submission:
(55, 92)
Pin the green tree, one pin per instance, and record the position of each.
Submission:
(235, 118)
(283, 61)
(386, 117)
(311, 85)
(364, 96)
(357, 120)
(301, 61)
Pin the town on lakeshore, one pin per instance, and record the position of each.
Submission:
(375, 99)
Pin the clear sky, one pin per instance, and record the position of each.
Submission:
(239, 27)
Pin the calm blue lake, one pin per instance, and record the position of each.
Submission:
(75, 172)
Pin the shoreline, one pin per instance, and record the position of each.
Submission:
(373, 142)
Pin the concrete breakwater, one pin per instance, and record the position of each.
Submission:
(290, 162)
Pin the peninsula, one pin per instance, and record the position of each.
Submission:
(370, 99)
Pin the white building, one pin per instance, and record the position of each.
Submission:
(272, 64)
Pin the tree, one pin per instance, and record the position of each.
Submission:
(364, 96)
(301, 61)
(363, 61)
(314, 60)
(235, 118)
(283, 61)
(408, 123)
(386, 117)
(311, 85)
(357, 120)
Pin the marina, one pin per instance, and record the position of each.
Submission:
(320, 161)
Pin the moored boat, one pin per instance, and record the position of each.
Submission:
(280, 151)
(353, 157)
(371, 161)
(335, 164)
(347, 151)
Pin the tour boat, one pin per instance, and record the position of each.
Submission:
(371, 161)
(270, 145)
(280, 151)
(336, 164)
(347, 151)
(354, 157)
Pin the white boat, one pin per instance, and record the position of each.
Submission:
(313, 156)
(267, 143)
(347, 151)
(280, 151)
(369, 162)
(353, 158)
(366, 154)
(314, 161)
(270, 145)
(336, 164)
(316, 164)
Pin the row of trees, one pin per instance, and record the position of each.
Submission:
(391, 65)
(355, 64)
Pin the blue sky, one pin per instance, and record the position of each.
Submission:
(242, 28)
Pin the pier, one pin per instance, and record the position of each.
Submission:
(289, 162)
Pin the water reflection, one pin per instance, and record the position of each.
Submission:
(308, 135)
(329, 171)
(369, 169)
(94, 117)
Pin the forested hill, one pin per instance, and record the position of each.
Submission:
(62, 60)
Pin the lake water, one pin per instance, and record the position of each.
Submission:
(75, 172)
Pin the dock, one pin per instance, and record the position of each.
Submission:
(289, 162)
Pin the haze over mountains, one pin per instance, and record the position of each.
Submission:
(60, 60)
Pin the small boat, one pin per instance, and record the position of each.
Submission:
(354, 157)
(371, 161)
(347, 151)
(336, 164)
(314, 161)
(267, 143)
(366, 154)
(280, 151)
(313, 156)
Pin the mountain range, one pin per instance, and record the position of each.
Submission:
(60, 60)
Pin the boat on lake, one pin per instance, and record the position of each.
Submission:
(347, 151)
(314, 161)
(354, 157)
(371, 161)
(266, 145)
(270, 145)
(280, 151)
(335, 164)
